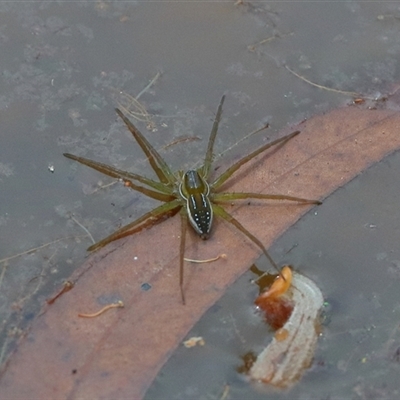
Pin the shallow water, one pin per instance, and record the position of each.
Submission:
(62, 65)
(349, 247)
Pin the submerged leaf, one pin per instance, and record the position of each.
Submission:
(118, 354)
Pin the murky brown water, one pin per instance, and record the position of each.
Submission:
(61, 66)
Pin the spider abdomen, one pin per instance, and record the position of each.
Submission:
(195, 190)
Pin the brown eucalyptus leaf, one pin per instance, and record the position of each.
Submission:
(118, 354)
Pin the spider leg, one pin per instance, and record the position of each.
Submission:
(150, 193)
(126, 176)
(184, 222)
(218, 210)
(225, 197)
(158, 164)
(205, 169)
(228, 173)
(146, 220)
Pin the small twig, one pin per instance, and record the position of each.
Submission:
(223, 256)
(68, 285)
(252, 47)
(225, 393)
(141, 115)
(180, 140)
(39, 247)
(242, 339)
(353, 94)
(102, 187)
(40, 280)
(382, 17)
(3, 272)
(151, 83)
(127, 102)
(3, 350)
(266, 126)
(83, 227)
(119, 304)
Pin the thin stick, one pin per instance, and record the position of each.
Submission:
(151, 83)
(225, 393)
(40, 280)
(180, 140)
(266, 126)
(354, 94)
(252, 47)
(223, 256)
(83, 227)
(143, 116)
(68, 285)
(103, 187)
(130, 106)
(3, 349)
(39, 247)
(3, 272)
(119, 304)
(130, 101)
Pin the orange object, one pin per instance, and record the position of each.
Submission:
(274, 303)
(281, 334)
(280, 286)
(118, 304)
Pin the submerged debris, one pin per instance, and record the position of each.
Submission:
(68, 285)
(293, 304)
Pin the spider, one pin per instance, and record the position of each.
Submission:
(190, 193)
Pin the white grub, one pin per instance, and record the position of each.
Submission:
(283, 361)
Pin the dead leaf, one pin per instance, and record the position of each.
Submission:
(118, 354)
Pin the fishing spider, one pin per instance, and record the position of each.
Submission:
(190, 193)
